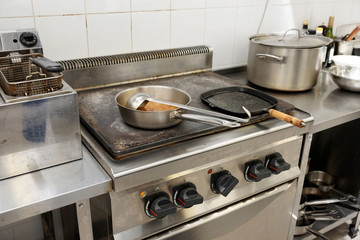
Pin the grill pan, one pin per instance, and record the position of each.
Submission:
(230, 100)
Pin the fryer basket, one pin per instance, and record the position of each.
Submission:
(20, 77)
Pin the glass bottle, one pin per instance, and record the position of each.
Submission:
(323, 26)
(331, 46)
(305, 28)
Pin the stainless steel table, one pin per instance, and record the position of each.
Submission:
(329, 105)
(52, 188)
(45, 190)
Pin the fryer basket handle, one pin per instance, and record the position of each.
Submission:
(47, 64)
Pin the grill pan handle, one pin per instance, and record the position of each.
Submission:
(47, 64)
(287, 118)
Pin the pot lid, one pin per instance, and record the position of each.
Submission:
(292, 41)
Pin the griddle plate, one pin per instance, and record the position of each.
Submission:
(100, 115)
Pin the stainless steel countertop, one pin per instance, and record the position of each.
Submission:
(329, 105)
(48, 189)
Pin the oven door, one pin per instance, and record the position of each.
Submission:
(264, 216)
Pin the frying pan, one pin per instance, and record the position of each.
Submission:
(230, 100)
(326, 182)
(314, 197)
(304, 225)
(162, 119)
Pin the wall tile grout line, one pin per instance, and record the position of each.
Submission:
(87, 30)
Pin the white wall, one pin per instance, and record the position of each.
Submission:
(85, 28)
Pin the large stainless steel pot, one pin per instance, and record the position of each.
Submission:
(285, 62)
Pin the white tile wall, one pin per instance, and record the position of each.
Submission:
(355, 16)
(221, 3)
(220, 34)
(15, 8)
(150, 30)
(278, 18)
(149, 5)
(247, 3)
(16, 23)
(82, 28)
(187, 4)
(63, 37)
(106, 41)
(58, 7)
(319, 14)
(341, 10)
(187, 28)
(244, 30)
(107, 6)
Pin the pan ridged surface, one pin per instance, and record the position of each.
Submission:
(100, 115)
(232, 102)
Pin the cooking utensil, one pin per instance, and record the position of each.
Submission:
(227, 100)
(320, 215)
(23, 75)
(47, 64)
(322, 212)
(343, 48)
(346, 77)
(162, 119)
(140, 99)
(353, 34)
(304, 226)
(326, 182)
(314, 196)
(284, 62)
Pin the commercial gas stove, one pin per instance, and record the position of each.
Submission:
(193, 180)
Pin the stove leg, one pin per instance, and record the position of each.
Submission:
(84, 219)
(354, 227)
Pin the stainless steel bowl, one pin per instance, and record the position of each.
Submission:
(346, 77)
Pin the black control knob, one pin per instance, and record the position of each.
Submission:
(186, 195)
(276, 163)
(255, 171)
(223, 182)
(28, 39)
(159, 205)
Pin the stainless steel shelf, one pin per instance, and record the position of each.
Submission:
(326, 226)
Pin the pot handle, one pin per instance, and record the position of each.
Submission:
(206, 119)
(292, 29)
(272, 57)
(324, 201)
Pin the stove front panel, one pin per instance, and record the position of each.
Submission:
(129, 208)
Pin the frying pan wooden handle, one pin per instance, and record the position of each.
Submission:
(287, 118)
